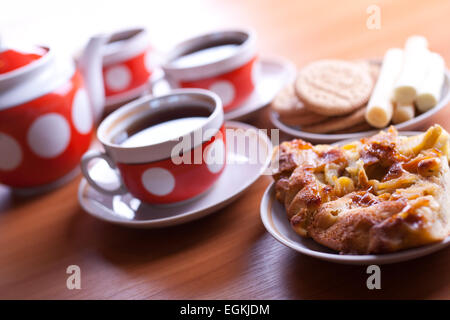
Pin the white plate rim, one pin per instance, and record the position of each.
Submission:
(88, 205)
(286, 65)
(408, 254)
(324, 137)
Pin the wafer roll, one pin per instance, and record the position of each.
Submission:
(430, 89)
(413, 70)
(403, 112)
(379, 109)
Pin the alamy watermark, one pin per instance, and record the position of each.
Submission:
(374, 280)
(74, 280)
(248, 143)
(373, 21)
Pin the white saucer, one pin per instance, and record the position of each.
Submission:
(274, 218)
(273, 75)
(240, 172)
(415, 123)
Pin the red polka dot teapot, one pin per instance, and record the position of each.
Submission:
(48, 106)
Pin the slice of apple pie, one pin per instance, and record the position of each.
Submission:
(376, 195)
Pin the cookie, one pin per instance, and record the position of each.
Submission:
(303, 119)
(286, 102)
(333, 87)
(338, 123)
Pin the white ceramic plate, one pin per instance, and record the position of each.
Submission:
(272, 76)
(240, 172)
(412, 124)
(274, 218)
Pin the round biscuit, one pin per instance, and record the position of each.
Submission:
(286, 102)
(333, 87)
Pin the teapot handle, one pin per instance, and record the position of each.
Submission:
(90, 65)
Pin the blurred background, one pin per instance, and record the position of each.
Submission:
(299, 30)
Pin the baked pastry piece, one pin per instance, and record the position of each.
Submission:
(376, 195)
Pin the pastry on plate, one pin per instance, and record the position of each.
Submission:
(376, 195)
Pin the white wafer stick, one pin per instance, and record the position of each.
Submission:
(413, 70)
(379, 109)
(403, 113)
(430, 89)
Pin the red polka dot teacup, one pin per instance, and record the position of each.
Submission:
(128, 63)
(167, 149)
(223, 62)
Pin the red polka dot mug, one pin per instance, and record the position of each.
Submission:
(224, 62)
(167, 149)
(128, 63)
(48, 107)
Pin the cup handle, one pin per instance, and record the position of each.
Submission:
(91, 155)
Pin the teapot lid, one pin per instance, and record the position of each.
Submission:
(12, 59)
(28, 72)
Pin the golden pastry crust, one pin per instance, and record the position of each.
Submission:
(376, 195)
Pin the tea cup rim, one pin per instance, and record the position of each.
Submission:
(157, 151)
(244, 53)
(137, 43)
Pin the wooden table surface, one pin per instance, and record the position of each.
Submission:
(227, 254)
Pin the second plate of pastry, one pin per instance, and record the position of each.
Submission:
(334, 100)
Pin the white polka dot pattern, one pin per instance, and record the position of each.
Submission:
(225, 90)
(81, 112)
(49, 135)
(10, 153)
(158, 181)
(118, 78)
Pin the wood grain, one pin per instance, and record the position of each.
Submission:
(228, 254)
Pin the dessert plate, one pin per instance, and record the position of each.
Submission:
(274, 218)
(242, 169)
(415, 123)
(271, 75)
